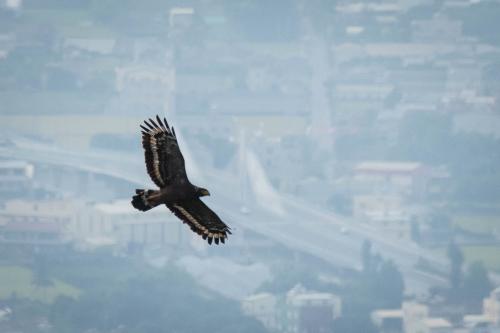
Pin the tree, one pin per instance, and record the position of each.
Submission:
(148, 301)
(456, 260)
(477, 284)
(41, 279)
(415, 231)
(424, 136)
(390, 284)
(366, 255)
(340, 203)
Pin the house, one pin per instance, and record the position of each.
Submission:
(414, 317)
(309, 312)
(299, 311)
(263, 307)
(387, 211)
(407, 179)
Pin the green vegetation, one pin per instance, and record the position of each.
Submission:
(478, 224)
(456, 257)
(20, 281)
(429, 137)
(488, 255)
(114, 294)
(477, 284)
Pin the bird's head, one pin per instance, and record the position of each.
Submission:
(201, 192)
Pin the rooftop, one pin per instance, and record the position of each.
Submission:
(259, 296)
(389, 313)
(182, 11)
(385, 166)
(437, 323)
(32, 227)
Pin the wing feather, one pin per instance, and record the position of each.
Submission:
(164, 160)
(201, 219)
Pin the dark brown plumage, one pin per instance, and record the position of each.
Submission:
(165, 166)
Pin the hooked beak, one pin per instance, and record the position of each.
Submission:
(205, 192)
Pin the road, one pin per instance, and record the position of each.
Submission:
(305, 228)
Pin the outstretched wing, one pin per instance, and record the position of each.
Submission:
(201, 219)
(164, 160)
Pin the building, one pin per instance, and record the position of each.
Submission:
(388, 321)
(479, 324)
(407, 179)
(387, 211)
(414, 315)
(299, 311)
(5, 313)
(491, 307)
(32, 234)
(181, 17)
(35, 223)
(308, 312)
(263, 307)
(119, 222)
(16, 178)
(437, 325)
(411, 318)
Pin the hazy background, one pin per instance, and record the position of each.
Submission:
(353, 148)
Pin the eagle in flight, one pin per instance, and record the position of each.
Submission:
(165, 166)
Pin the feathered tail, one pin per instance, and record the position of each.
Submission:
(145, 199)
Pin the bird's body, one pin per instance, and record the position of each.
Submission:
(165, 166)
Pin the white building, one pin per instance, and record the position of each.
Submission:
(415, 315)
(437, 325)
(35, 223)
(88, 226)
(387, 177)
(300, 311)
(388, 321)
(181, 17)
(308, 311)
(491, 307)
(411, 318)
(263, 307)
(118, 223)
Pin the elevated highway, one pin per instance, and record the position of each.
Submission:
(304, 227)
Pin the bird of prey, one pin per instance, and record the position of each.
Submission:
(165, 166)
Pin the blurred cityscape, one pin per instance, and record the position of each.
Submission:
(352, 146)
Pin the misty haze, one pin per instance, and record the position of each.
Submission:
(352, 148)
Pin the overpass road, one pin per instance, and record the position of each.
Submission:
(304, 227)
